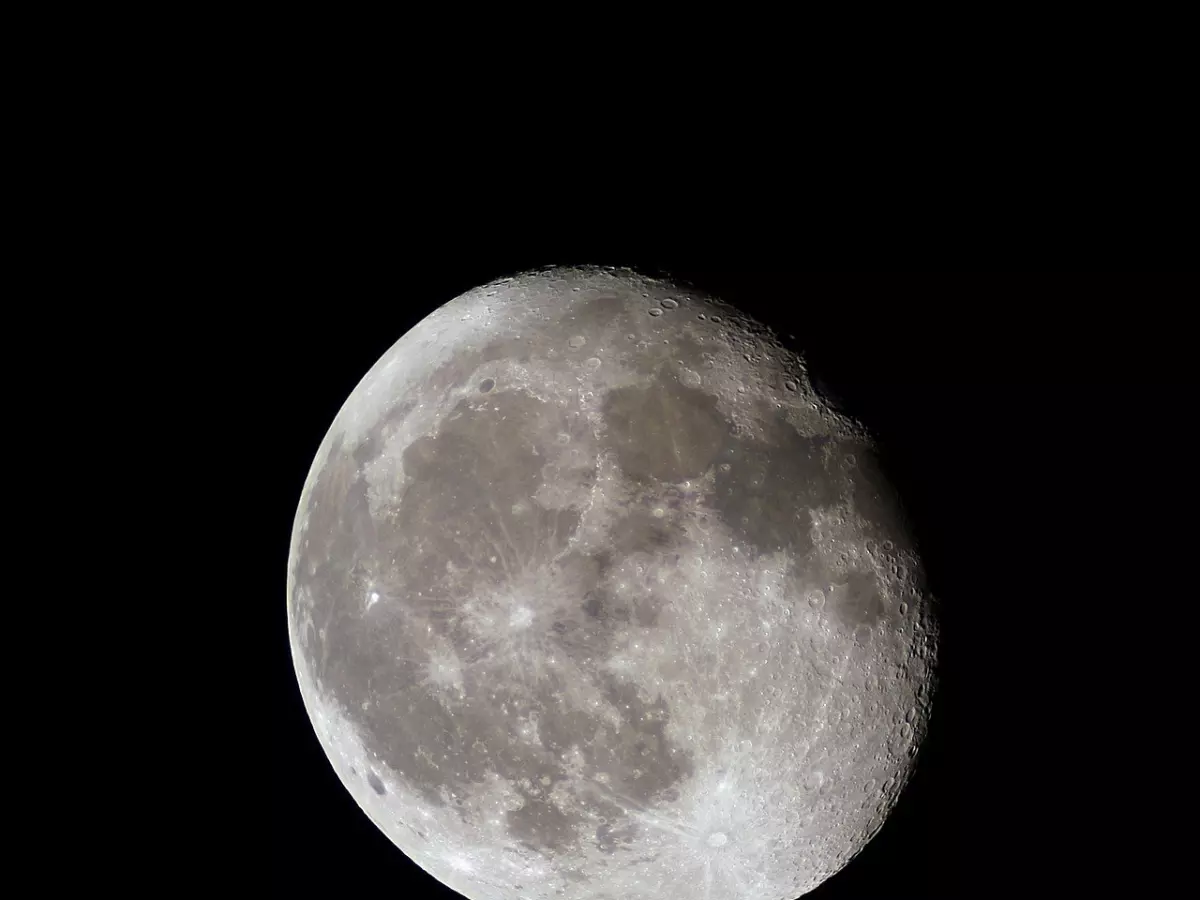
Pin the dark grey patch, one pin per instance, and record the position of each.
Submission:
(586, 631)
(433, 748)
(663, 432)
(541, 825)
(376, 784)
(593, 315)
(592, 604)
(639, 758)
(641, 531)
(636, 531)
(857, 601)
(415, 737)
(772, 483)
(368, 448)
(646, 610)
(468, 477)
(875, 497)
(603, 561)
(560, 727)
(609, 838)
(486, 385)
(607, 610)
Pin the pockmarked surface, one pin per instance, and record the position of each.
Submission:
(592, 595)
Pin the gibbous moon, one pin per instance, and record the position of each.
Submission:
(591, 595)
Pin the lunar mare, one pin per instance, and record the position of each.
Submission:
(592, 595)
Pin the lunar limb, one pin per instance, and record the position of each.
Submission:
(591, 594)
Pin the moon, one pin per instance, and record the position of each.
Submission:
(592, 594)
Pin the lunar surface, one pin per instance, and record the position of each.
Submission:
(591, 594)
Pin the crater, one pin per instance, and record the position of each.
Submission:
(376, 784)
(609, 838)
(858, 603)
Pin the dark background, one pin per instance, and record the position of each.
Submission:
(1018, 413)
